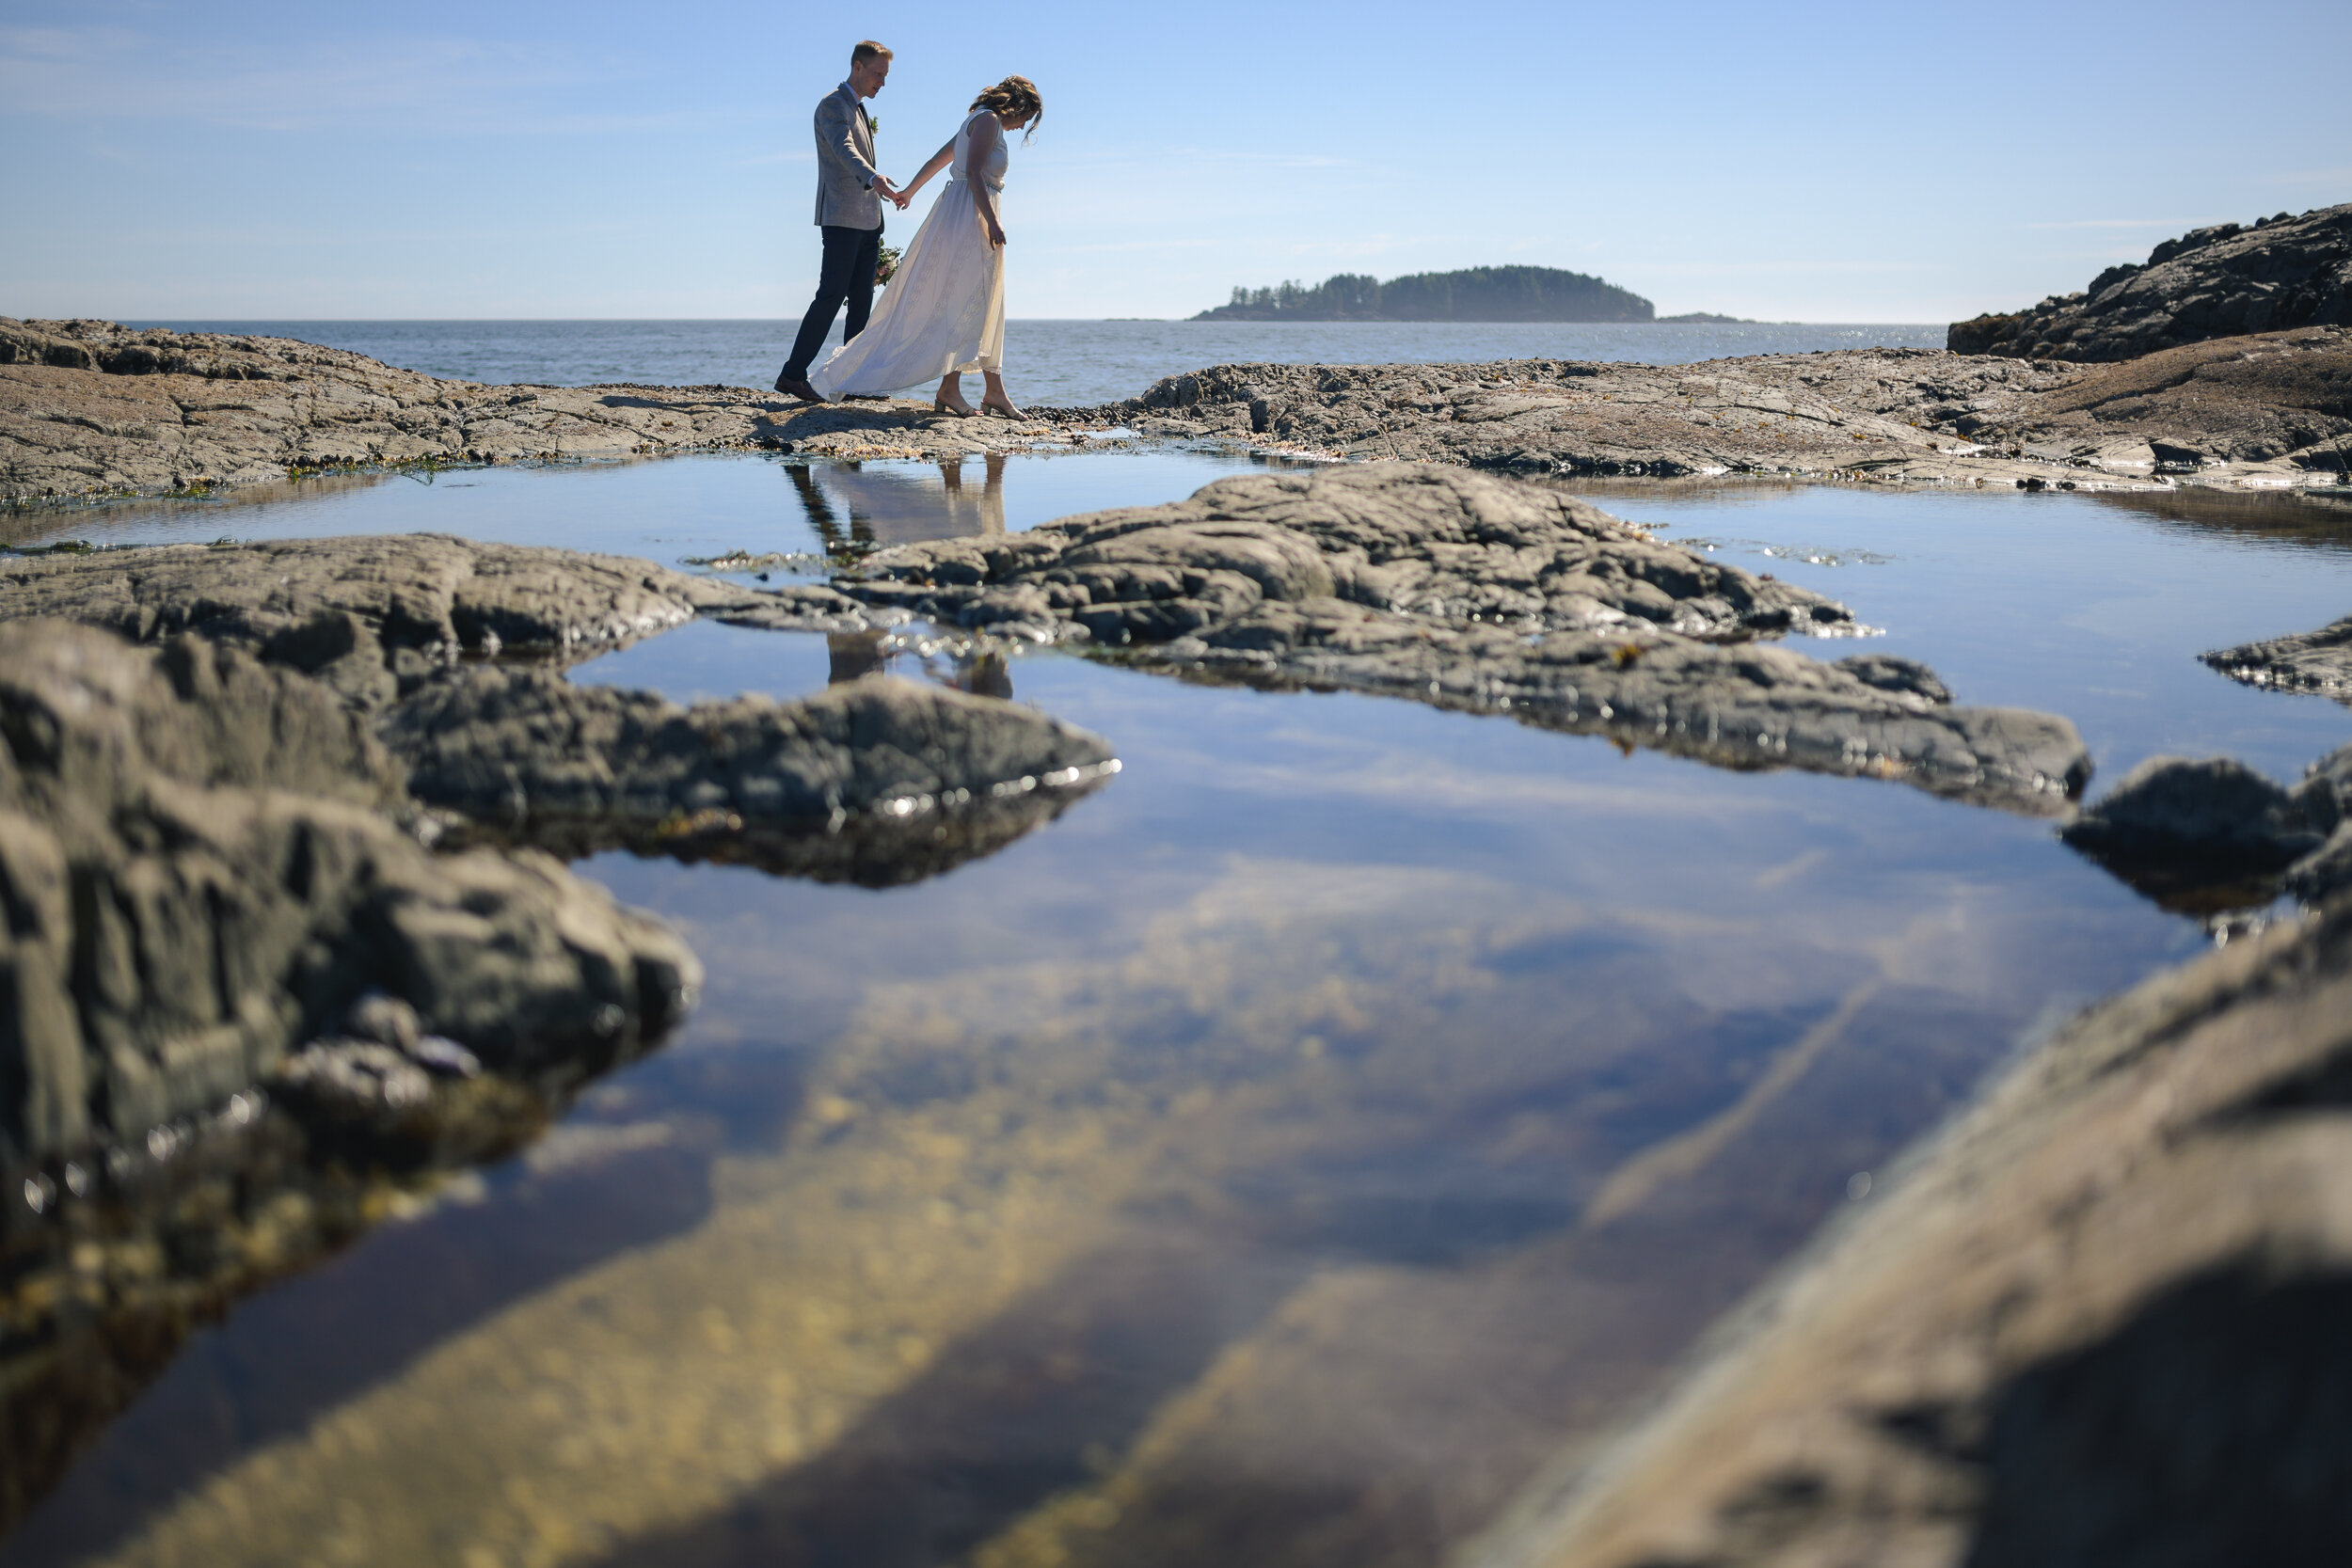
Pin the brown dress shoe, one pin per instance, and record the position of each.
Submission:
(795, 385)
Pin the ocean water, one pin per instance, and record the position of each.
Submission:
(1055, 363)
(1273, 1160)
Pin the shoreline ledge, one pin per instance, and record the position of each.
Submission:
(92, 411)
(2272, 412)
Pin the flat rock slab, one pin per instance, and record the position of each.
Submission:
(2268, 412)
(2319, 661)
(2101, 1320)
(371, 614)
(93, 409)
(1482, 594)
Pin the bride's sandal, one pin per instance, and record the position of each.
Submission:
(1004, 406)
(960, 409)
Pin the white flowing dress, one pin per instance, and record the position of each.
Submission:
(945, 308)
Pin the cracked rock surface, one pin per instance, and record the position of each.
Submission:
(2227, 281)
(2099, 1321)
(1490, 594)
(2319, 661)
(399, 626)
(368, 615)
(91, 407)
(2275, 410)
(198, 877)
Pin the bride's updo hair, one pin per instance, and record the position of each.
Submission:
(1016, 93)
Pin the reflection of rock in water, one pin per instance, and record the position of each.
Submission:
(1263, 1241)
(1485, 594)
(244, 1010)
(854, 655)
(874, 780)
(870, 850)
(855, 507)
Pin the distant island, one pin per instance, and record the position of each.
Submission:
(1701, 318)
(1473, 294)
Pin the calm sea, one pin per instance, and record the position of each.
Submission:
(1060, 363)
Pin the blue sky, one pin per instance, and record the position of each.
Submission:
(1815, 163)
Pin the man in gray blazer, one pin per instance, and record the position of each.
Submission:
(849, 194)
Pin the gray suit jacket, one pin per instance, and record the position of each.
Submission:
(845, 163)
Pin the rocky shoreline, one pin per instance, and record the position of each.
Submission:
(289, 935)
(91, 410)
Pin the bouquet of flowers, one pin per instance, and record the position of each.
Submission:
(885, 265)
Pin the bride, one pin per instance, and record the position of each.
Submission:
(944, 312)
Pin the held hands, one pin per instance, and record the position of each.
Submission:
(888, 191)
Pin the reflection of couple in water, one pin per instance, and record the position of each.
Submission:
(854, 509)
(944, 311)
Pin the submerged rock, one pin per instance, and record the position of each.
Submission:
(2100, 1321)
(1471, 592)
(2225, 281)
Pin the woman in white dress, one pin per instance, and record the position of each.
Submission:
(944, 312)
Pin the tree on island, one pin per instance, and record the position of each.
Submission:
(1473, 294)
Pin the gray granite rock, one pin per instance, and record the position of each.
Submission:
(876, 781)
(92, 408)
(370, 614)
(2227, 281)
(2317, 661)
(2100, 1320)
(198, 875)
(2175, 828)
(1485, 594)
(2262, 411)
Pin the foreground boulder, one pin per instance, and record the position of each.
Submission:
(2101, 1320)
(176, 927)
(2225, 281)
(1468, 592)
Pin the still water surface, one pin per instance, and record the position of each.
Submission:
(1273, 1160)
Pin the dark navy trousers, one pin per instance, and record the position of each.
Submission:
(845, 276)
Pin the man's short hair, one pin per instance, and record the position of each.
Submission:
(869, 50)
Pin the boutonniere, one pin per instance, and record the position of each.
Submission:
(873, 126)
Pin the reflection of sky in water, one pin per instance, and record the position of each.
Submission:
(1291, 1147)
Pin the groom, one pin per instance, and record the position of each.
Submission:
(849, 194)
